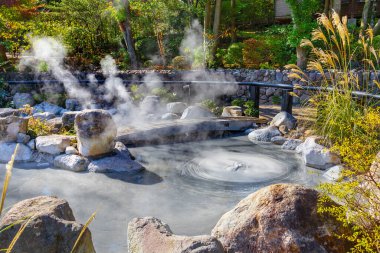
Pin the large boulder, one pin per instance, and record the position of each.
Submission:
(73, 104)
(284, 119)
(48, 107)
(279, 218)
(11, 126)
(53, 144)
(24, 153)
(169, 116)
(264, 134)
(50, 227)
(96, 132)
(232, 111)
(317, 156)
(150, 235)
(196, 112)
(119, 161)
(71, 162)
(21, 99)
(176, 107)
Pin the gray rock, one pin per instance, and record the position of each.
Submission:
(5, 112)
(291, 144)
(53, 144)
(32, 144)
(71, 151)
(284, 119)
(51, 228)
(196, 112)
(333, 174)
(44, 115)
(11, 126)
(47, 107)
(74, 163)
(176, 107)
(23, 138)
(73, 104)
(24, 153)
(148, 235)
(96, 132)
(21, 99)
(55, 123)
(280, 218)
(232, 111)
(264, 134)
(270, 91)
(169, 116)
(68, 119)
(278, 140)
(317, 156)
(150, 105)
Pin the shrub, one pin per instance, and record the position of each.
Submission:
(254, 53)
(212, 106)
(350, 126)
(250, 109)
(181, 62)
(234, 56)
(238, 102)
(165, 94)
(276, 100)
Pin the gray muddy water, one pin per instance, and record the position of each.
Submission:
(187, 185)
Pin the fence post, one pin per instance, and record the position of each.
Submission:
(254, 93)
(286, 101)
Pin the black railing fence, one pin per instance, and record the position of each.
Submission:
(254, 89)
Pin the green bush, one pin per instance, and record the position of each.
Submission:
(250, 109)
(212, 106)
(276, 100)
(166, 95)
(255, 52)
(234, 56)
(238, 102)
(181, 63)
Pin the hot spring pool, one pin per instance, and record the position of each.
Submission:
(187, 185)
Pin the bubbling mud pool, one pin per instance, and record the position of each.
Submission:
(187, 185)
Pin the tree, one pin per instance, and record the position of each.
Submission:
(302, 12)
(125, 28)
(216, 28)
(233, 21)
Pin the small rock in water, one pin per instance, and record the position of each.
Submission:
(24, 153)
(232, 111)
(71, 162)
(264, 134)
(291, 144)
(278, 140)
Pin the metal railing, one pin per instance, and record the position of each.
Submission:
(254, 89)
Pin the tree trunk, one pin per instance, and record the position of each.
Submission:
(216, 27)
(366, 16)
(3, 55)
(301, 57)
(125, 28)
(233, 21)
(206, 31)
(376, 28)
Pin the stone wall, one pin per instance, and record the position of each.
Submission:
(268, 95)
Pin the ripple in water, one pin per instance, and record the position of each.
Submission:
(228, 166)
